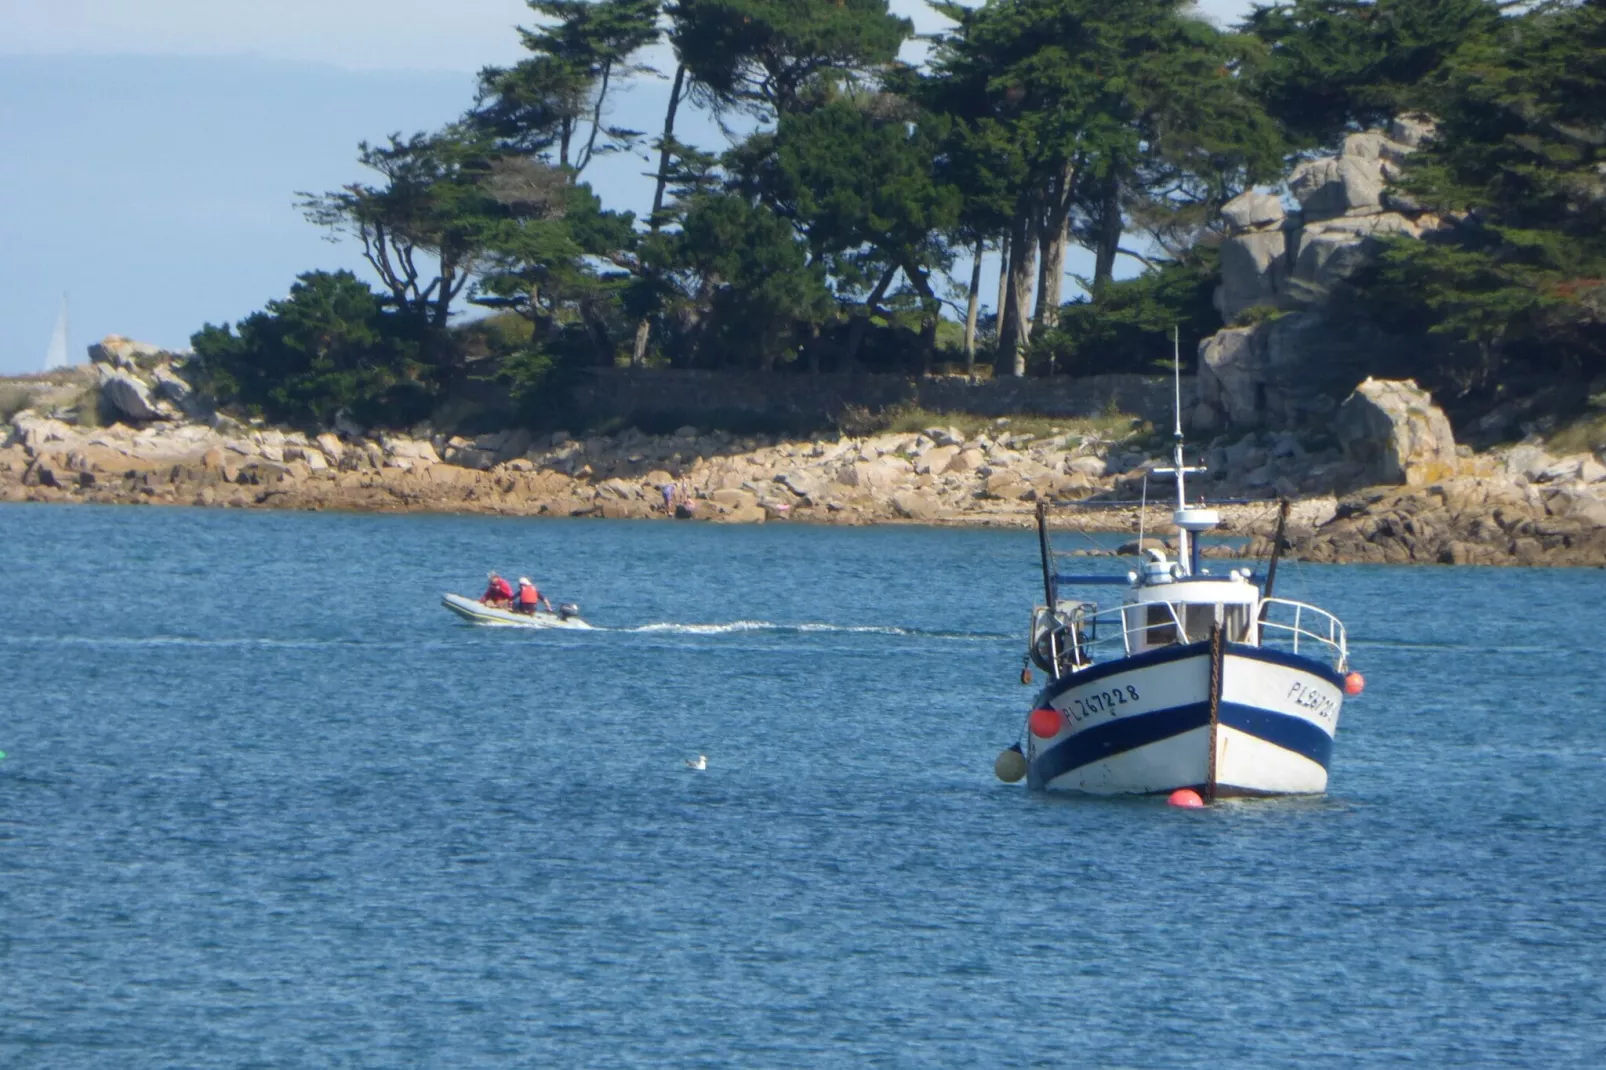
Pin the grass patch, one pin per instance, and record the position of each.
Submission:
(14, 397)
(980, 370)
(1255, 315)
(1585, 433)
(910, 420)
(87, 407)
(738, 422)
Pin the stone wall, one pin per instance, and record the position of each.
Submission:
(654, 398)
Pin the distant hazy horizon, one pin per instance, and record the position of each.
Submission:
(159, 193)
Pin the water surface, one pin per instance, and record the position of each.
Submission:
(267, 804)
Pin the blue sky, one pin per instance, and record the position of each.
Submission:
(150, 150)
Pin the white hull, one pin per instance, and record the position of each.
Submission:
(1144, 725)
(480, 613)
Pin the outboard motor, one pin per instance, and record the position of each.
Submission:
(568, 609)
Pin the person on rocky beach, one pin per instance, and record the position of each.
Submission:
(498, 592)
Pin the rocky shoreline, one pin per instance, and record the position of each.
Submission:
(1518, 506)
(1387, 483)
(937, 477)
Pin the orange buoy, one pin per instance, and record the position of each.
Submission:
(1354, 683)
(1045, 722)
(1186, 798)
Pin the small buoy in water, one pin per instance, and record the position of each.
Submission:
(1354, 683)
(1025, 674)
(1046, 722)
(1186, 798)
(1011, 764)
(699, 762)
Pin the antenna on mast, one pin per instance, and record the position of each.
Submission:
(1176, 375)
(1143, 512)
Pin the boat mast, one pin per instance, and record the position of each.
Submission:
(1276, 555)
(1190, 522)
(1050, 586)
(1183, 541)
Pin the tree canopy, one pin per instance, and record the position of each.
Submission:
(1518, 164)
(831, 228)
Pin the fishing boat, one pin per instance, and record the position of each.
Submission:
(567, 614)
(1191, 681)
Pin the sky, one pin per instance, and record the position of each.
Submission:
(151, 150)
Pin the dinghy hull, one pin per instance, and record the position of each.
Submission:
(479, 613)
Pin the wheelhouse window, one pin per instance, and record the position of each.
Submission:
(1160, 625)
(1160, 622)
(1197, 620)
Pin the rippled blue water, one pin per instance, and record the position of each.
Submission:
(267, 804)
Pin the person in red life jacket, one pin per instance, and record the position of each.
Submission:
(498, 592)
(529, 597)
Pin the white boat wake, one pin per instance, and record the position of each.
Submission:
(749, 626)
(485, 616)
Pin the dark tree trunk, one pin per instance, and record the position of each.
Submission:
(928, 322)
(1040, 308)
(638, 353)
(1054, 237)
(596, 123)
(1003, 286)
(1015, 329)
(971, 308)
(1051, 279)
(440, 310)
(1109, 232)
(861, 321)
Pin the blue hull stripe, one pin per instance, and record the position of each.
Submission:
(1117, 737)
(1101, 742)
(1293, 734)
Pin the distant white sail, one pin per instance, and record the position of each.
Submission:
(56, 355)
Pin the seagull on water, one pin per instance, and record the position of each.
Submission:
(699, 762)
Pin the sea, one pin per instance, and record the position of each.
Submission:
(265, 803)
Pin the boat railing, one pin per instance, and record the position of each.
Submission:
(1086, 632)
(1079, 633)
(1285, 623)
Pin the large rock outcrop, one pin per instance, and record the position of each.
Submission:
(118, 352)
(127, 399)
(1283, 269)
(1393, 433)
(1463, 521)
(1254, 256)
(139, 383)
